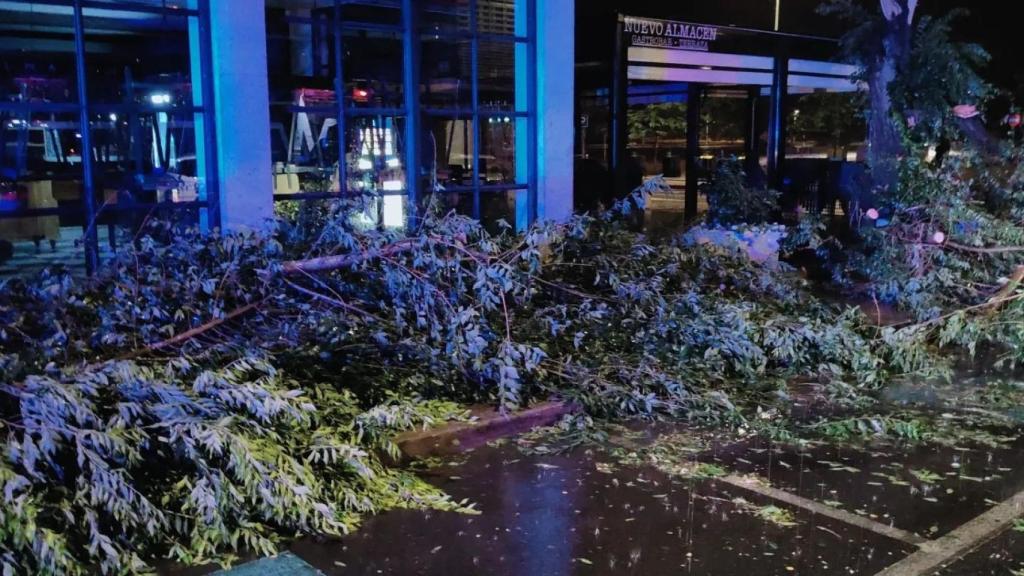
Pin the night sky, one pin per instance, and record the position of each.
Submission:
(998, 25)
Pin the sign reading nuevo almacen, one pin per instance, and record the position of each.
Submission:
(667, 34)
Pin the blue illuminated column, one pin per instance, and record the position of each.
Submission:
(242, 108)
(555, 113)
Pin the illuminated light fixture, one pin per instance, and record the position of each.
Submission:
(392, 185)
(507, 119)
(113, 117)
(365, 164)
(394, 162)
(706, 68)
(160, 98)
(394, 211)
(360, 94)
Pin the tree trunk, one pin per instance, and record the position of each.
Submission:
(885, 147)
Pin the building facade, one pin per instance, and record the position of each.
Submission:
(207, 112)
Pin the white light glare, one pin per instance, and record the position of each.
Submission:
(394, 211)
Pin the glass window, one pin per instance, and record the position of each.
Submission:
(439, 17)
(372, 69)
(474, 120)
(374, 155)
(143, 140)
(446, 73)
(497, 16)
(497, 70)
(449, 152)
(138, 58)
(37, 51)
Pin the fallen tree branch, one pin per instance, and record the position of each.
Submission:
(336, 302)
(328, 263)
(984, 250)
(1004, 293)
(198, 330)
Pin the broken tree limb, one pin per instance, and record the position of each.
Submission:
(198, 330)
(328, 263)
(333, 301)
(1006, 291)
(983, 249)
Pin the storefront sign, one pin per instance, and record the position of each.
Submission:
(654, 33)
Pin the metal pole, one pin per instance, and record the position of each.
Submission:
(619, 109)
(88, 200)
(410, 45)
(339, 89)
(693, 102)
(474, 76)
(777, 122)
(750, 147)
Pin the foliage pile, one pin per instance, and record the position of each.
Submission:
(731, 201)
(206, 394)
(948, 242)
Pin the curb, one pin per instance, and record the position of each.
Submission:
(490, 424)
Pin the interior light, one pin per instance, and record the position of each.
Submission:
(392, 185)
(113, 117)
(394, 162)
(394, 211)
(365, 164)
(160, 98)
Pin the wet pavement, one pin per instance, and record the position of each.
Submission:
(576, 514)
(633, 505)
(926, 489)
(1003, 556)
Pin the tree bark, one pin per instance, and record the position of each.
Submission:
(884, 143)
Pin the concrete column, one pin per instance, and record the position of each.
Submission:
(242, 101)
(555, 111)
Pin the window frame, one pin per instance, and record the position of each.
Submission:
(86, 110)
(415, 114)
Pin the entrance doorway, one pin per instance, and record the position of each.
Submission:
(688, 96)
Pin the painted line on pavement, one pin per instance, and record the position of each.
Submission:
(756, 486)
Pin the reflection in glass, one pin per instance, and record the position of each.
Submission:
(37, 53)
(445, 16)
(373, 69)
(449, 151)
(40, 174)
(446, 74)
(497, 75)
(498, 150)
(138, 58)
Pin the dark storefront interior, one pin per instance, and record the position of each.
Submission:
(820, 136)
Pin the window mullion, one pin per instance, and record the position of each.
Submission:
(475, 83)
